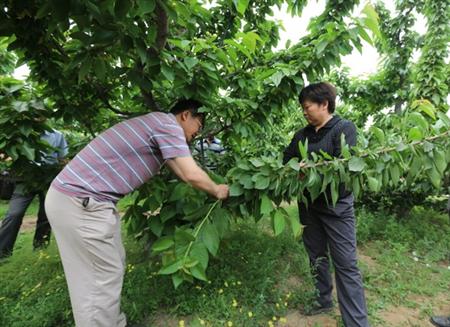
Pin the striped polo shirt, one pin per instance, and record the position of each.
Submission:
(123, 157)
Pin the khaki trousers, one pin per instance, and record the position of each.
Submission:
(87, 233)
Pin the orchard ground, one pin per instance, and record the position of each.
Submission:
(256, 280)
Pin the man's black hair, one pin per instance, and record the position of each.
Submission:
(188, 104)
(319, 93)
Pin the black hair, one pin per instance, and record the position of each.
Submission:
(188, 104)
(319, 93)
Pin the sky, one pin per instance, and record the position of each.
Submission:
(360, 64)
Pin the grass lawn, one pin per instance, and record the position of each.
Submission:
(256, 279)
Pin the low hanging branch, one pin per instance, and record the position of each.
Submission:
(260, 185)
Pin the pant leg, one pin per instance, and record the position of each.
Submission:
(339, 223)
(92, 254)
(13, 220)
(315, 241)
(43, 229)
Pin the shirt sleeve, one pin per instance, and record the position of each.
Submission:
(292, 149)
(62, 147)
(170, 140)
(350, 134)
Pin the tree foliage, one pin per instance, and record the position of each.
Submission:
(102, 61)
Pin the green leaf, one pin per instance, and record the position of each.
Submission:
(427, 107)
(266, 205)
(221, 219)
(262, 182)
(210, 238)
(199, 252)
(84, 69)
(440, 161)
(293, 163)
(27, 151)
(167, 212)
(279, 222)
(356, 186)
(183, 237)
(179, 192)
(122, 7)
(145, 6)
(156, 226)
(434, 177)
(374, 184)
(395, 173)
(418, 121)
(379, 134)
(356, 164)
(168, 73)
(241, 6)
(100, 69)
(163, 244)
(321, 46)
(372, 19)
(296, 227)
(416, 166)
(177, 279)
(276, 78)
(334, 192)
(362, 32)
(256, 162)
(249, 40)
(303, 149)
(171, 268)
(199, 273)
(190, 62)
(236, 190)
(415, 134)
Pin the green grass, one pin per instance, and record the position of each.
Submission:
(254, 272)
(32, 209)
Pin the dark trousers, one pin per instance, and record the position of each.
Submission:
(330, 231)
(10, 225)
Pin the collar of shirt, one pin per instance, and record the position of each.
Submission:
(329, 125)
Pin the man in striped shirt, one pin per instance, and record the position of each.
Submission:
(81, 202)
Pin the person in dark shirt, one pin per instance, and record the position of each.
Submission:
(442, 321)
(329, 230)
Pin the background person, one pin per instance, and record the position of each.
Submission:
(81, 202)
(330, 230)
(22, 198)
(442, 321)
(208, 148)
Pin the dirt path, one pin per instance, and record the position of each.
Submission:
(28, 224)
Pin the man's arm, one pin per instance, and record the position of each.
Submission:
(190, 172)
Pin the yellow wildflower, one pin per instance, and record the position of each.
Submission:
(250, 314)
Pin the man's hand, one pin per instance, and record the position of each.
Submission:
(188, 171)
(222, 191)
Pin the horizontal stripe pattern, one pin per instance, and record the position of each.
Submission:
(123, 157)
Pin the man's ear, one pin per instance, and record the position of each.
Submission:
(185, 115)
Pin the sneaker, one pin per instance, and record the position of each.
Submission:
(440, 321)
(317, 309)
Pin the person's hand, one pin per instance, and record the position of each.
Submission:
(301, 175)
(222, 191)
